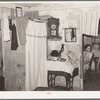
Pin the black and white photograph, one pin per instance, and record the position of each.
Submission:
(50, 46)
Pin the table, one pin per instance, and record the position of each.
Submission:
(57, 68)
(47, 66)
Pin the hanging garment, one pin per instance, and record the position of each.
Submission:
(53, 27)
(89, 23)
(5, 30)
(14, 42)
(21, 27)
(35, 55)
(12, 13)
(44, 17)
(32, 15)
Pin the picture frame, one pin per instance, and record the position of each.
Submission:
(19, 11)
(70, 34)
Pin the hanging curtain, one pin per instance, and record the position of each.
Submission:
(35, 54)
(5, 29)
(89, 23)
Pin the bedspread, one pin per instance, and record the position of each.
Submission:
(59, 66)
(52, 66)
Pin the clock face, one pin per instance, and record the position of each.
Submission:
(53, 26)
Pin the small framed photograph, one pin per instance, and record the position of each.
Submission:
(19, 12)
(70, 34)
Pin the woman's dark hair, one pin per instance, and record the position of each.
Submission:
(87, 45)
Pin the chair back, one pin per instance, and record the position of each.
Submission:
(75, 72)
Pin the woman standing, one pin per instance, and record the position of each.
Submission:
(87, 54)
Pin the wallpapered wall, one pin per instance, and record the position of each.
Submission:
(14, 70)
(14, 61)
(68, 19)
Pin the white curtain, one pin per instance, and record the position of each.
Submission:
(89, 22)
(35, 54)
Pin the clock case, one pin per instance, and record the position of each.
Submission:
(53, 28)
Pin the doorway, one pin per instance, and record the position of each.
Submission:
(1, 62)
(91, 75)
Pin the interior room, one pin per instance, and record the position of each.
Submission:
(93, 81)
(42, 45)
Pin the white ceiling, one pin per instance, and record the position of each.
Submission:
(69, 5)
(28, 4)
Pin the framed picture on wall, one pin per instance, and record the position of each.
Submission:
(70, 34)
(19, 12)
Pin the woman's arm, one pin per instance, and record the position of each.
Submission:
(87, 60)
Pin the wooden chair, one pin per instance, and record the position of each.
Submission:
(96, 59)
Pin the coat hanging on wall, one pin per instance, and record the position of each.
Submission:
(53, 27)
(14, 41)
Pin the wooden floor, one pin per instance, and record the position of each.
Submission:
(57, 88)
(93, 85)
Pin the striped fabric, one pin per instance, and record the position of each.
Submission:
(89, 23)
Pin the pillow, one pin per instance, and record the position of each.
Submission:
(72, 57)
